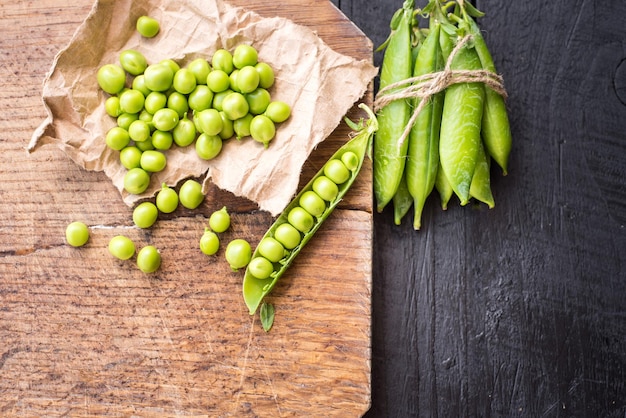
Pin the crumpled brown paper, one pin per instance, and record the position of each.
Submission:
(320, 84)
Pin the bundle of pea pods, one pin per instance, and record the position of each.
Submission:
(441, 111)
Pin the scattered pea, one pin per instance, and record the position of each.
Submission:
(147, 26)
(77, 234)
(238, 253)
(209, 242)
(149, 259)
(145, 214)
(121, 247)
(167, 199)
(219, 221)
(190, 194)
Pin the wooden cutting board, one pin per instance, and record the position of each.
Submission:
(82, 334)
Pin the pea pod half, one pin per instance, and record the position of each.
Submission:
(295, 218)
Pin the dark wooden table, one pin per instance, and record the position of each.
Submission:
(519, 310)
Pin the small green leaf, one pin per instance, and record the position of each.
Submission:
(267, 316)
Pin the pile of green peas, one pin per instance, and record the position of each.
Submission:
(301, 218)
(200, 104)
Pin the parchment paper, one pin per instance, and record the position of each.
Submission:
(320, 84)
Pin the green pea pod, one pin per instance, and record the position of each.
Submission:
(495, 124)
(461, 125)
(389, 155)
(480, 188)
(255, 289)
(443, 188)
(423, 152)
(402, 201)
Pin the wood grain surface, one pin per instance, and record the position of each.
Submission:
(82, 334)
(518, 311)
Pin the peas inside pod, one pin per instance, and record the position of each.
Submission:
(306, 213)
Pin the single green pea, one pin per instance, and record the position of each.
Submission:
(218, 81)
(179, 103)
(184, 133)
(136, 180)
(165, 119)
(288, 235)
(121, 247)
(210, 121)
(139, 84)
(145, 145)
(155, 100)
(149, 259)
(171, 63)
(146, 116)
(336, 171)
(200, 68)
(131, 101)
(190, 194)
(139, 130)
(209, 242)
(184, 81)
(117, 138)
(134, 62)
(262, 129)
(350, 160)
(153, 161)
(200, 98)
(147, 27)
(312, 203)
(162, 140)
(130, 157)
(235, 106)
(232, 80)
(166, 199)
(111, 78)
(112, 106)
(278, 111)
(219, 221)
(238, 253)
(258, 100)
(325, 188)
(245, 55)
(158, 77)
(125, 119)
(300, 219)
(218, 98)
(208, 146)
(145, 214)
(241, 126)
(247, 80)
(228, 127)
(266, 75)
(260, 267)
(222, 60)
(272, 249)
(77, 234)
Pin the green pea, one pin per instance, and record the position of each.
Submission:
(153, 161)
(325, 188)
(228, 127)
(245, 55)
(272, 249)
(134, 62)
(312, 203)
(235, 106)
(262, 129)
(136, 180)
(77, 234)
(219, 221)
(121, 247)
(171, 63)
(222, 60)
(266, 75)
(184, 81)
(111, 78)
(210, 121)
(145, 145)
(209, 242)
(179, 103)
(190, 194)
(241, 126)
(184, 133)
(260, 267)
(300, 219)
(162, 140)
(125, 119)
(131, 101)
(200, 68)
(112, 106)
(278, 111)
(155, 100)
(350, 160)
(200, 98)
(117, 138)
(247, 80)
(258, 100)
(165, 119)
(166, 199)
(145, 214)
(336, 171)
(232, 80)
(218, 98)
(208, 146)
(149, 259)
(139, 131)
(158, 77)
(130, 157)
(147, 27)
(218, 81)
(238, 253)
(287, 235)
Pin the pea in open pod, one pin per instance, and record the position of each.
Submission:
(255, 289)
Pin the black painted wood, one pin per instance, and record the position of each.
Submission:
(519, 310)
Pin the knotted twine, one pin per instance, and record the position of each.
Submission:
(427, 85)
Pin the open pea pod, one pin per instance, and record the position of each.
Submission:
(351, 155)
